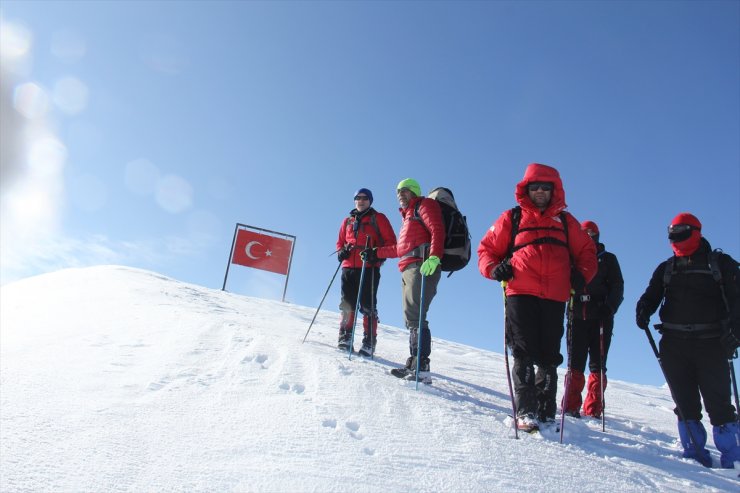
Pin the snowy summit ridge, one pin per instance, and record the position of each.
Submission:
(119, 379)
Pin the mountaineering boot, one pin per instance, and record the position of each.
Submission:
(546, 386)
(694, 450)
(345, 330)
(592, 404)
(406, 369)
(572, 401)
(527, 423)
(368, 347)
(370, 337)
(409, 370)
(344, 340)
(425, 375)
(727, 441)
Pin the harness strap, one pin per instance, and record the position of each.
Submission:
(516, 217)
(418, 251)
(357, 223)
(691, 327)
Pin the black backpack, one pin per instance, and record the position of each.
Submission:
(712, 269)
(457, 236)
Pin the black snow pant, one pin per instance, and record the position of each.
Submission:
(698, 366)
(351, 285)
(584, 342)
(534, 329)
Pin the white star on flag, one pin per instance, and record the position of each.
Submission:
(268, 253)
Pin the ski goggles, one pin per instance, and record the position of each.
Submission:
(591, 233)
(545, 186)
(362, 197)
(680, 232)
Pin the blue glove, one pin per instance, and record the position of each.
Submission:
(429, 266)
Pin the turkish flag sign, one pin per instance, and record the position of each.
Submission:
(262, 251)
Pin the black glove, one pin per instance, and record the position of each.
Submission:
(605, 311)
(344, 253)
(369, 255)
(730, 343)
(502, 272)
(577, 281)
(642, 319)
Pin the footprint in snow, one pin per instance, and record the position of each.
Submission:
(296, 387)
(153, 386)
(354, 429)
(259, 359)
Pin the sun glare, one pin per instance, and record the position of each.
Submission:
(70, 95)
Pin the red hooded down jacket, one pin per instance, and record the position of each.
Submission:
(543, 269)
(429, 231)
(365, 229)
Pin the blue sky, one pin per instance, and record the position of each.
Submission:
(147, 130)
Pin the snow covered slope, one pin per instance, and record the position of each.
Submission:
(118, 379)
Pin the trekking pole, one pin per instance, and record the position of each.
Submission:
(506, 361)
(566, 384)
(734, 388)
(357, 302)
(420, 330)
(373, 314)
(603, 366)
(322, 301)
(670, 389)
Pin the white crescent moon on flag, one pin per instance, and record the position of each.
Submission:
(248, 249)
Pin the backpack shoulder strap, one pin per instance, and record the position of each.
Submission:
(564, 220)
(417, 216)
(374, 224)
(714, 264)
(516, 216)
(668, 272)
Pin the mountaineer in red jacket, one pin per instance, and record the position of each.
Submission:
(364, 226)
(420, 247)
(536, 267)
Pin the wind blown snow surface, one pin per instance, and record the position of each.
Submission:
(118, 379)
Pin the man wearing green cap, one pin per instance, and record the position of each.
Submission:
(420, 247)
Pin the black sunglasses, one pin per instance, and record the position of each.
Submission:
(362, 197)
(545, 186)
(680, 232)
(680, 228)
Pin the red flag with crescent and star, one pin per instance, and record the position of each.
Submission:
(262, 252)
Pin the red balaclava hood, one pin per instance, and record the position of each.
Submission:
(541, 172)
(691, 244)
(591, 226)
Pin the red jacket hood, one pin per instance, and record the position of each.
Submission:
(541, 172)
